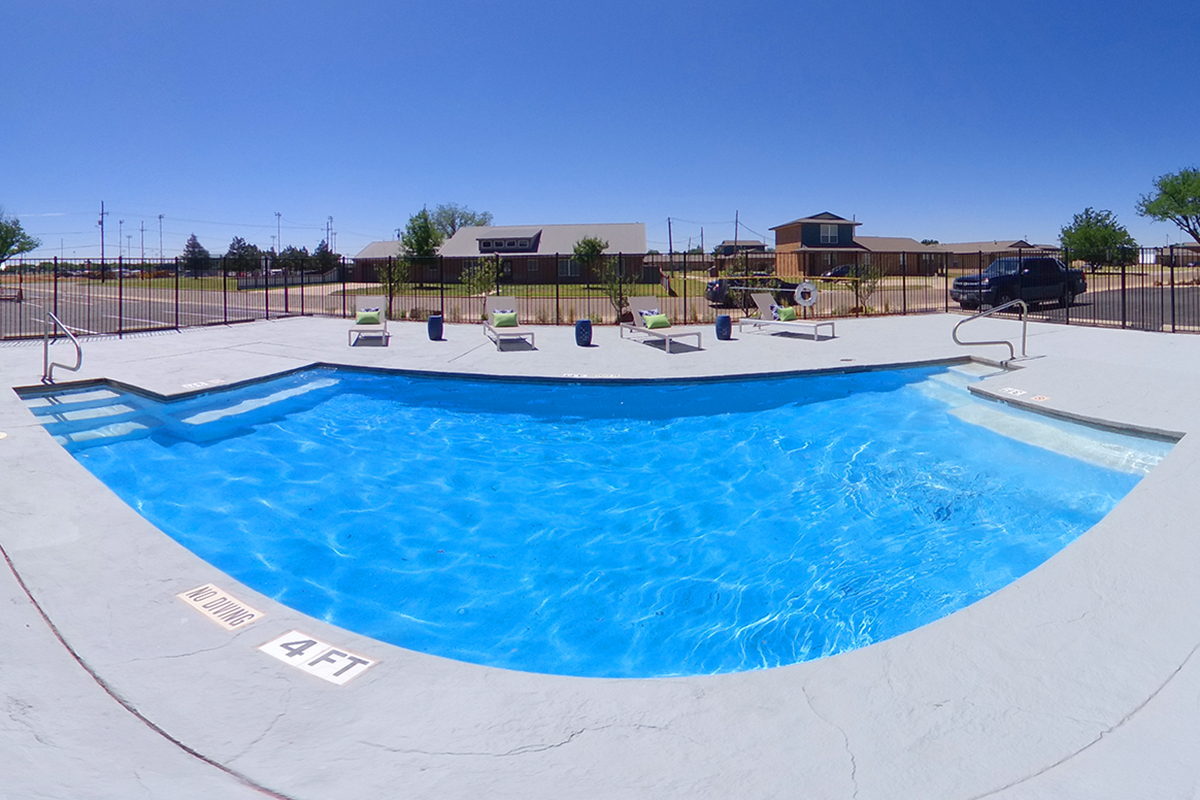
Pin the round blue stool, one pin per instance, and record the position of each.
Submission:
(724, 327)
(583, 332)
(435, 327)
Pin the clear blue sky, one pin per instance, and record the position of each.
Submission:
(950, 120)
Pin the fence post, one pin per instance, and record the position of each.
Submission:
(442, 286)
(557, 282)
(1123, 269)
(120, 297)
(55, 294)
(685, 282)
(903, 285)
(224, 290)
(176, 292)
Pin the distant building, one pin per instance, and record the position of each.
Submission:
(528, 253)
(731, 248)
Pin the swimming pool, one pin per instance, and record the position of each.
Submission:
(634, 529)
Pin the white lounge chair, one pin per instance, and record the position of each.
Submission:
(504, 332)
(767, 321)
(643, 307)
(370, 319)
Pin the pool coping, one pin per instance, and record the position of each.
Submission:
(1032, 691)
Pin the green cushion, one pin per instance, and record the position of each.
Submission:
(787, 314)
(506, 320)
(657, 321)
(366, 318)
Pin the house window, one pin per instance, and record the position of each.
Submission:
(523, 244)
(511, 243)
(829, 234)
(485, 244)
(531, 266)
(568, 268)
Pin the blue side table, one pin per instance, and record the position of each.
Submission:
(435, 327)
(724, 327)
(583, 332)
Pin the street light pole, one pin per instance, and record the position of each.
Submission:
(160, 253)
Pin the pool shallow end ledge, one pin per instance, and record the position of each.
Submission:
(1076, 681)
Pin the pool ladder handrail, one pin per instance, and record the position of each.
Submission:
(1012, 354)
(48, 365)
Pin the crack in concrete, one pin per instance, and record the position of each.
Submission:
(287, 696)
(845, 740)
(16, 710)
(1100, 737)
(516, 751)
(177, 655)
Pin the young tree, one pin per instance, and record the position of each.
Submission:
(13, 239)
(1097, 238)
(421, 237)
(195, 257)
(1176, 199)
(481, 276)
(449, 217)
(589, 252)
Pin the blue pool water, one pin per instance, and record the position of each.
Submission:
(631, 530)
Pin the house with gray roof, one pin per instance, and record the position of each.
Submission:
(528, 253)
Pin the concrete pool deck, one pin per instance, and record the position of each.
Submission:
(1078, 680)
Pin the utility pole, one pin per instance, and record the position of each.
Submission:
(279, 228)
(103, 214)
(120, 233)
(670, 242)
(160, 249)
(143, 241)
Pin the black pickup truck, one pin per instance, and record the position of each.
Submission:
(1032, 279)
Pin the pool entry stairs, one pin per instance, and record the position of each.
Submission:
(97, 415)
(1093, 445)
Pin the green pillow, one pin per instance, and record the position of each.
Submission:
(366, 318)
(657, 321)
(505, 320)
(787, 314)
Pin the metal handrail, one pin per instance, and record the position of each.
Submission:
(1012, 354)
(48, 365)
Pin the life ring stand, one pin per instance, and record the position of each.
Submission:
(806, 294)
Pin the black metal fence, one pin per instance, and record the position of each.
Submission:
(1156, 289)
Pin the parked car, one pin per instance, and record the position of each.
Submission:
(838, 272)
(1032, 279)
(735, 292)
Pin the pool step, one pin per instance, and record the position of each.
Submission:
(208, 418)
(101, 415)
(1099, 447)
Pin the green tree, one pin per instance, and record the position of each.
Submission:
(1097, 238)
(323, 258)
(195, 257)
(421, 237)
(589, 253)
(449, 217)
(243, 256)
(294, 259)
(1176, 199)
(480, 277)
(395, 275)
(13, 239)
